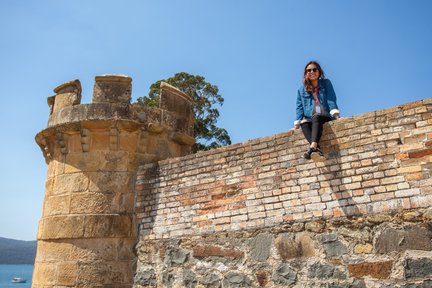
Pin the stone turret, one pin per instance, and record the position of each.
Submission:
(87, 231)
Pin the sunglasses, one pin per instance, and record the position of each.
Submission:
(311, 70)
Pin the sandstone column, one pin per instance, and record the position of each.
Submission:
(87, 231)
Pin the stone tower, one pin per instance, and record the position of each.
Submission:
(87, 232)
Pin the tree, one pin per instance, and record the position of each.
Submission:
(205, 97)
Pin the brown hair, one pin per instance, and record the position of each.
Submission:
(306, 82)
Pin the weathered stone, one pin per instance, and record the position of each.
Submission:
(397, 238)
(211, 280)
(363, 248)
(146, 278)
(167, 279)
(284, 275)
(418, 268)
(379, 218)
(411, 216)
(260, 247)
(235, 279)
(315, 226)
(201, 251)
(289, 247)
(363, 235)
(332, 246)
(189, 279)
(262, 278)
(322, 271)
(176, 256)
(378, 270)
(327, 238)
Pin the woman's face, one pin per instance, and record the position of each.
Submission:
(312, 72)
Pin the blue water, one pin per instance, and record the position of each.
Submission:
(7, 272)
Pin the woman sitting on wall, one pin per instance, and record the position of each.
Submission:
(316, 105)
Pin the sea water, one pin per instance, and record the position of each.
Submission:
(7, 272)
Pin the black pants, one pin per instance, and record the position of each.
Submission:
(313, 130)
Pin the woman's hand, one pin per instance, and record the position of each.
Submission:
(296, 126)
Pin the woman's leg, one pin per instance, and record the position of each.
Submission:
(307, 131)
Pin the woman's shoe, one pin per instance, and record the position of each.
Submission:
(308, 154)
(318, 150)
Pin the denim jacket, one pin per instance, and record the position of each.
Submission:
(305, 101)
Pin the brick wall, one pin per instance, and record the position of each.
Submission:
(377, 162)
(256, 214)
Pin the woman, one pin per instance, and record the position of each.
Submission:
(316, 105)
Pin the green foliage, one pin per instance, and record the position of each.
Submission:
(205, 97)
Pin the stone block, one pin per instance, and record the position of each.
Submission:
(202, 251)
(53, 251)
(111, 182)
(400, 238)
(89, 250)
(211, 280)
(100, 140)
(56, 205)
(44, 273)
(97, 226)
(289, 247)
(332, 246)
(66, 274)
(236, 280)
(377, 270)
(146, 278)
(418, 265)
(176, 256)
(324, 271)
(93, 203)
(61, 227)
(189, 279)
(284, 275)
(69, 183)
(112, 89)
(260, 247)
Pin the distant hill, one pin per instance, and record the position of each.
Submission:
(17, 251)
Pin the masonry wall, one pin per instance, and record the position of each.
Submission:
(256, 214)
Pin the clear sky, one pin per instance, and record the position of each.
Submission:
(376, 52)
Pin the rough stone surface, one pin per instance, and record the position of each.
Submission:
(418, 268)
(332, 246)
(176, 256)
(379, 270)
(235, 279)
(146, 278)
(260, 247)
(189, 279)
(211, 280)
(293, 247)
(414, 237)
(284, 275)
(321, 271)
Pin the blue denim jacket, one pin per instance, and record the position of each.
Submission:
(305, 101)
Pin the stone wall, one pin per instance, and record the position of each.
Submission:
(256, 214)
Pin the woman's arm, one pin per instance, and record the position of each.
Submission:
(299, 110)
(331, 99)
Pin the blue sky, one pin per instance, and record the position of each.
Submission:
(376, 52)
